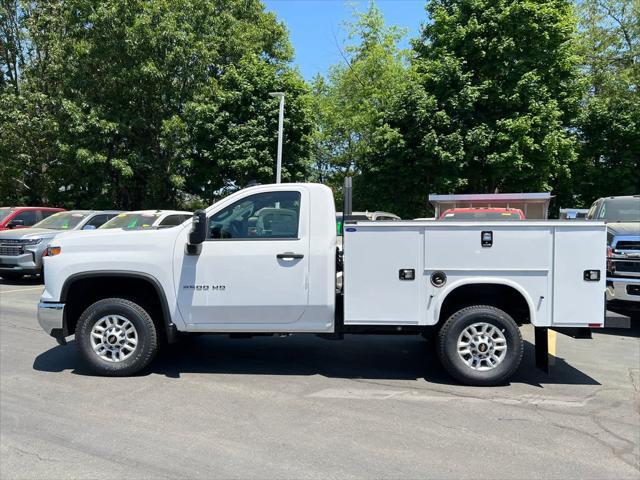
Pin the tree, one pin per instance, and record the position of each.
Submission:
(609, 123)
(349, 105)
(12, 48)
(492, 109)
(153, 104)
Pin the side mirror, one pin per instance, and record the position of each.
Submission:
(89, 227)
(198, 233)
(15, 223)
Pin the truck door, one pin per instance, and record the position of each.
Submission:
(253, 269)
(579, 299)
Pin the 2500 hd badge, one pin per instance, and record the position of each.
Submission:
(205, 288)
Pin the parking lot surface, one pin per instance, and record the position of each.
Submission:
(304, 407)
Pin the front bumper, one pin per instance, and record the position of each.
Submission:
(51, 319)
(27, 263)
(623, 289)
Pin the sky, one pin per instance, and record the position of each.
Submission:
(315, 25)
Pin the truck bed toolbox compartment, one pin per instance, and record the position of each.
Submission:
(522, 255)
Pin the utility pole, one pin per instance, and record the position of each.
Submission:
(279, 95)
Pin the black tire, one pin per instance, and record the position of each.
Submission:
(453, 362)
(12, 276)
(145, 350)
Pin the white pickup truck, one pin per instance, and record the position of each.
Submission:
(264, 261)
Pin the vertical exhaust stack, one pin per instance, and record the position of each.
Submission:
(347, 208)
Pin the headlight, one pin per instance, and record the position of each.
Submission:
(53, 251)
(32, 241)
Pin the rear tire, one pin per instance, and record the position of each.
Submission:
(480, 345)
(116, 337)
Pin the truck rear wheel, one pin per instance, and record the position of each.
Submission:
(116, 337)
(480, 345)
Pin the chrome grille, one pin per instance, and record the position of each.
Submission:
(628, 245)
(622, 266)
(11, 250)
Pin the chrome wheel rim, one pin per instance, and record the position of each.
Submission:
(114, 338)
(482, 346)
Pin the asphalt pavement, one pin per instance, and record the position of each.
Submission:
(304, 407)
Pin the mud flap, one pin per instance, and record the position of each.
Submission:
(542, 348)
(59, 335)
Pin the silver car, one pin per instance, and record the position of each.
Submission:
(21, 250)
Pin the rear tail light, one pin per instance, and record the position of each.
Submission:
(610, 264)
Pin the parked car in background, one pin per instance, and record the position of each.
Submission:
(573, 213)
(366, 215)
(21, 250)
(145, 219)
(622, 215)
(376, 216)
(482, 213)
(22, 217)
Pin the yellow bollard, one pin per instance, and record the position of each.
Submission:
(551, 338)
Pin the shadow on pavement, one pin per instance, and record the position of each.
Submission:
(29, 280)
(633, 331)
(357, 356)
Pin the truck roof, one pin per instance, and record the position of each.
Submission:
(511, 213)
(160, 212)
(484, 209)
(32, 208)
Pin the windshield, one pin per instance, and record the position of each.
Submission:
(4, 213)
(132, 220)
(61, 221)
(621, 210)
(481, 216)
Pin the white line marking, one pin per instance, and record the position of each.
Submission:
(20, 290)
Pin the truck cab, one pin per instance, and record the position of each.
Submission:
(264, 261)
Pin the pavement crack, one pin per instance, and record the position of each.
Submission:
(634, 376)
(21, 327)
(618, 452)
(36, 455)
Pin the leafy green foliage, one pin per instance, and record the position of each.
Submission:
(609, 123)
(132, 103)
(497, 90)
(349, 106)
(153, 103)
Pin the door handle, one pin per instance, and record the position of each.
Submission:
(291, 255)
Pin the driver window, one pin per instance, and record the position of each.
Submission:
(28, 217)
(603, 211)
(268, 215)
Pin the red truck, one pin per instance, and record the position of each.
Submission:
(482, 213)
(21, 217)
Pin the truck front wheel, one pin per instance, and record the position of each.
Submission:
(116, 337)
(480, 345)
